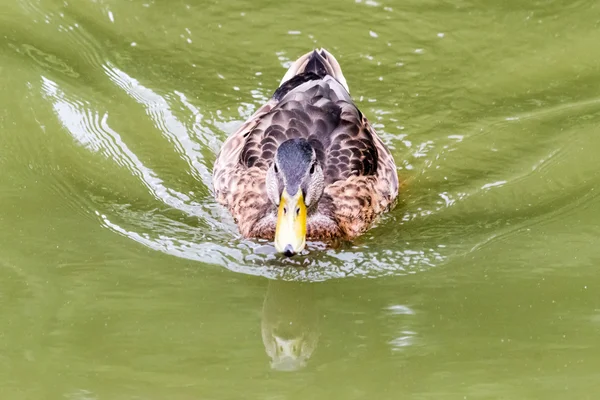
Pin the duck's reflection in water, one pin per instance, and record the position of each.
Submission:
(290, 324)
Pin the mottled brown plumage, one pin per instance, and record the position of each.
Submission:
(312, 102)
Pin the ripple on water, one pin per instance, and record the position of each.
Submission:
(48, 61)
(223, 248)
(90, 128)
(202, 230)
(159, 111)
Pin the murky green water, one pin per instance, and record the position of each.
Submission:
(122, 279)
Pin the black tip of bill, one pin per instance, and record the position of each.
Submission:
(288, 251)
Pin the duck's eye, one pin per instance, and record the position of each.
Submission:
(312, 169)
(284, 210)
(275, 168)
(297, 211)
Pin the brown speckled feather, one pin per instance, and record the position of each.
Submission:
(360, 174)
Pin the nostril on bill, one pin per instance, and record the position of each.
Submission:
(288, 251)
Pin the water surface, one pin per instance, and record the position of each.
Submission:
(122, 278)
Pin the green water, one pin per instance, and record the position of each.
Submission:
(121, 278)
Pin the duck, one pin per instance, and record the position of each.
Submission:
(307, 165)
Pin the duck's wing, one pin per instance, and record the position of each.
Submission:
(360, 172)
(229, 155)
(241, 189)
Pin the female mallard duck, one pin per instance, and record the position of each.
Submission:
(307, 164)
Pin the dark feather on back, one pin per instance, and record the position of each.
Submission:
(333, 126)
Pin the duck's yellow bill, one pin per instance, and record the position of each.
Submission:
(290, 231)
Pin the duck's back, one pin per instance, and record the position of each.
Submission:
(312, 102)
(321, 111)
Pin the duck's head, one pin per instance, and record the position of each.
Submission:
(294, 185)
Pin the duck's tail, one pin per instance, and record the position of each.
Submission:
(320, 62)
